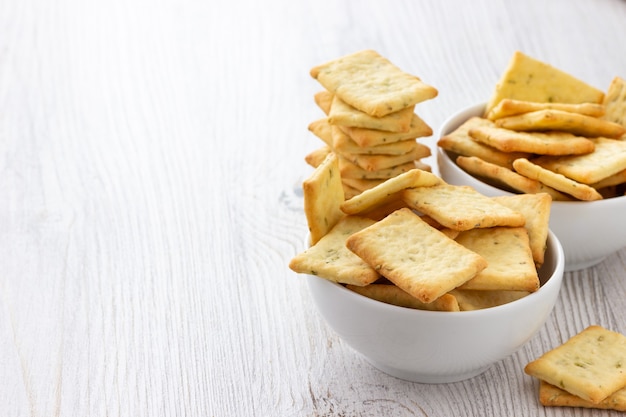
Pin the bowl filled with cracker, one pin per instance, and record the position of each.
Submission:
(563, 138)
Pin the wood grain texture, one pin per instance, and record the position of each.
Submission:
(151, 156)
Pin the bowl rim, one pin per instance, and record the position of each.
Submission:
(555, 280)
(445, 128)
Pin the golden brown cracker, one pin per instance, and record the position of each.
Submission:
(323, 194)
(341, 113)
(555, 180)
(380, 162)
(415, 256)
(615, 102)
(562, 121)
(510, 262)
(542, 143)
(551, 396)
(391, 294)
(470, 300)
(509, 107)
(344, 144)
(529, 79)
(371, 83)
(350, 170)
(461, 207)
(590, 365)
(330, 259)
(317, 156)
(324, 100)
(370, 137)
(536, 209)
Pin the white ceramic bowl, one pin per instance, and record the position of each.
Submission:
(432, 346)
(588, 230)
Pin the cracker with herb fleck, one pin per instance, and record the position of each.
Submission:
(551, 396)
(392, 294)
(510, 107)
(370, 137)
(341, 113)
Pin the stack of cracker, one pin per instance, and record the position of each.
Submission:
(546, 131)
(588, 371)
(370, 121)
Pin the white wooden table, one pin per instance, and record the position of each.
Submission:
(151, 156)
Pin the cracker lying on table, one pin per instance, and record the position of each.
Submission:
(371, 83)
(415, 256)
(551, 396)
(589, 365)
(460, 143)
(349, 169)
(608, 159)
(508, 255)
(392, 294)
(323, 194)
(369, 137)
(330, 259)
(536, 209)
(529, 79)
(574, 123)
(556, 181)
(509, 107)
(390, 188)
(461, 207)
(469, 300)
(615, 102)
(341, 113)
(548, 143)
(507, 178)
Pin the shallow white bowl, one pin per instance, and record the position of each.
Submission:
(437, 347)
(588, 230)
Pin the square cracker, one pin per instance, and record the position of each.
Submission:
(510, 107)
(615, 102)
(555, 180)
(530, 79)
(330, 259)
(349, 169)
(415, 256)
(536, 209)
(551, 396)
(459, 142)
(461, 207)
(510, 261)
(370, 137)
(590, 365)
(342, 142)
(542, 143)
(390, 188)
(323, 194)
(341, 113)
(562, 121)
(394, 295)
(506, 178)
(317, 156)
(371, 83)
(608, 159)
(324, 100)
(380, 162)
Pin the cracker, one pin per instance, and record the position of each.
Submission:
(548, 143)
(330, 259)
(510, 261)
(323, 194)
(317, 156)
(371, 83)
(506, 178)
(369, 137)
(557, 181)
(461, 207)
(351, 170)
(574, 123)
(349, 191)
(392, 294)
(509, 107)
(390, 188)
(344, 144)
(551, 396)
(614, 179)
(341, 113)
(615, 102)
(536, 209)
(530, 79)
(324, 100)
(380, 162)
(470, 300)
(323, 130)
(608, 159)
(415, 256)
(590, 365)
